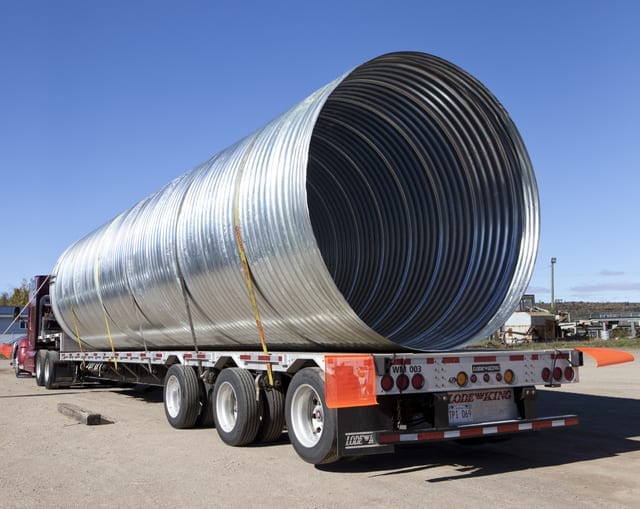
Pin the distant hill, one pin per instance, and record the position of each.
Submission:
(581, 310)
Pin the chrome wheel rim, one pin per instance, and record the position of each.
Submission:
(172, 396)
(226, 407)
(307, 416)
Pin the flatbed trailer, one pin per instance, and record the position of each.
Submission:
(332, 405)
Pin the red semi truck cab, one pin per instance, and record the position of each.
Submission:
(42, 328)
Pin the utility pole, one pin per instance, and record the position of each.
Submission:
(553, 293)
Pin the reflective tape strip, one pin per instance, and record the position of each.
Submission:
(484, 358)
(477, 431)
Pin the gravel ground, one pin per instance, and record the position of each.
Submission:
(49, 460)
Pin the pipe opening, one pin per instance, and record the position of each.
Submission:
(416, 188)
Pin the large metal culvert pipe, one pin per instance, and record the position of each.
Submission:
(394, 208)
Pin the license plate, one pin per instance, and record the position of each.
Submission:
(470, 407)
(460, 414)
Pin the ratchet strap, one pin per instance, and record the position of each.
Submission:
(141, 332)
(106, 323)
(243, 258)
(77, 331)
(185, 296)
(104, 309)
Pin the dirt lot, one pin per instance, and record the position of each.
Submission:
(49, 460)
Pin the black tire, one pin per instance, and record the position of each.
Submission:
(311, 425)
(271, 415)
(181, 396)
(235, 410)
(15, 365)
(205, 418)
(40, 359)
(50, 364)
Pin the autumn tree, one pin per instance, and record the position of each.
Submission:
(19, 296)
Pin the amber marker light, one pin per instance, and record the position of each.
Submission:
(509, 376)
(462, 379)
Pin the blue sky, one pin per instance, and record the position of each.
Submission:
(104, 102)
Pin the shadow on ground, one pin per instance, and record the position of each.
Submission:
(608, 427)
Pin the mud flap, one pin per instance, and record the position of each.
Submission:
(64, 374)
(353, 440)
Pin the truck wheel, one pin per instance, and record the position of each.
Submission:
(181, 396)
(272, 415)
(235, 411)
(16, 366)
(311, 425)
(49, 376)
(40, 359)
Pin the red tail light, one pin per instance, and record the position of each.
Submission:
(569, 373)
(417, 381)
(546, 374)
(386, 383)
(557, 374)
(402, 382)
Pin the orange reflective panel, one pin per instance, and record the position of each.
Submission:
(350, 381)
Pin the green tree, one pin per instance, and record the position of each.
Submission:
(19, 297)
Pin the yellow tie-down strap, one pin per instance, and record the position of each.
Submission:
(77, 330)
(104, 310)
(245, 263)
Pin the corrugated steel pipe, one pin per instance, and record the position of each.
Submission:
(394, 208)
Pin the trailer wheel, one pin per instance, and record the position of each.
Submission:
(272, 415)
(181, 396)
(49, 376)
(235, 411)
(312, 426)
(40, 359)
